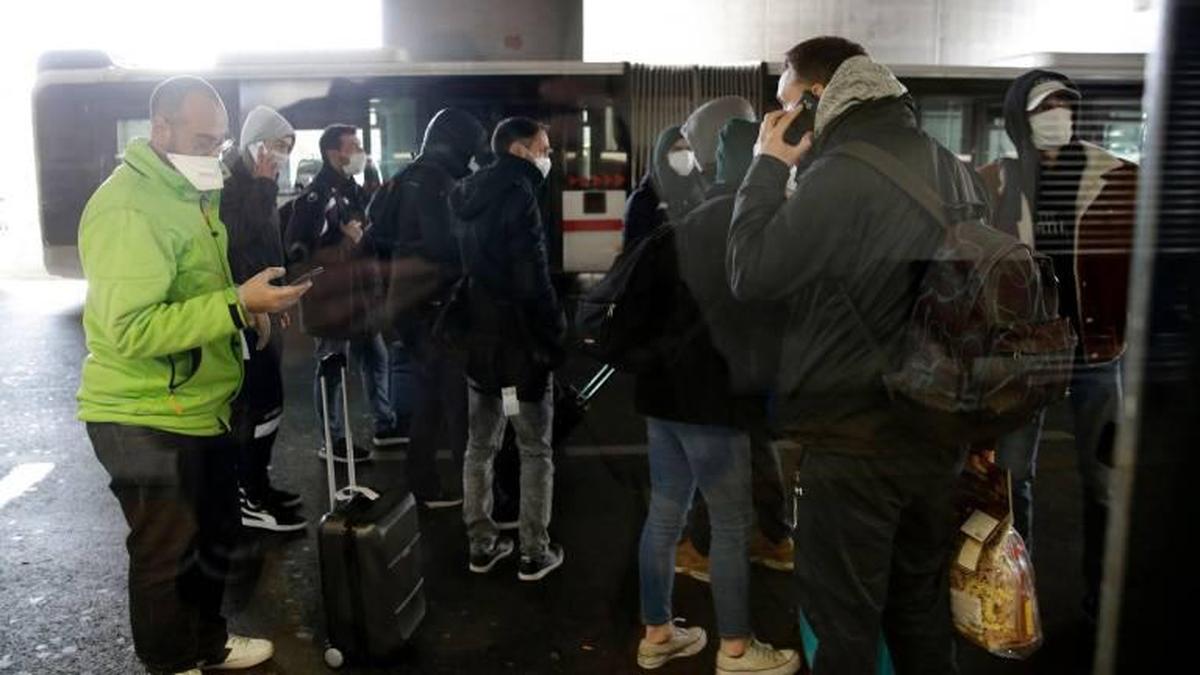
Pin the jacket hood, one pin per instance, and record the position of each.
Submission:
(143, 159)
(479, 192)
(704, 125)
(680, 193)
(263, 124)
(1016, 124)
(858, 80)
(735, 150)
(454, 136)
(1016, 118)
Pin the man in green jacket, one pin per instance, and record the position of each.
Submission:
(163, 321)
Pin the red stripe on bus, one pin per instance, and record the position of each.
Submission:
(610, 225)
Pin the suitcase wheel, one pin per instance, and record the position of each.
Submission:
(333, 657)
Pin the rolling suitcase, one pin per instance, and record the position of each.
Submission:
(369, 546)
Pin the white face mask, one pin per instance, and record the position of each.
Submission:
(358, 162)
(683, 162)
(202, 171)
(543, 164)
(1051, 129)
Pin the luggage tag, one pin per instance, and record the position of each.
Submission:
(511, 405)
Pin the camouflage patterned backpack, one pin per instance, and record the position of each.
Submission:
(985, 348)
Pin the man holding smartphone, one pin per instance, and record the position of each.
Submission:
(845, 254)
(255, 242)
(163, 319)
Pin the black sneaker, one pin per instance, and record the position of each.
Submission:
(389, 437)
(339, 452)
(441, 500)
(535, 569)
(482, 563)
(270, 517)
(282, 498)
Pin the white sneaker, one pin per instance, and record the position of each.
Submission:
(684, 642)
(761, 659)
(244, 652)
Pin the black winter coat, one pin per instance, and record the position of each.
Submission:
(515, 312)
(722, 374)
(252, 220)
(343, 300)
(846, 253)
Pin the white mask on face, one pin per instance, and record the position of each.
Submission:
(202, 171)
(358, 162)
(543, 164)
(683, 162)
(1051, 129)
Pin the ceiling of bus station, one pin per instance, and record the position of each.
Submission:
(919, 32)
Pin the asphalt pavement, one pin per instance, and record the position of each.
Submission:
(63, 561)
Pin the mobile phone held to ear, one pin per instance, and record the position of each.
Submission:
(804, 122)
(307, 276)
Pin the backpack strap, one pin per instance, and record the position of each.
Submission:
(894, 170)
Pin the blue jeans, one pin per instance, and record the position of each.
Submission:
(684, 457)
(402, 383)
(371, 356)
(1095, 400)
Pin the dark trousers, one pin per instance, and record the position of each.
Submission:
(179, 497)
(257, 411)
(874, 538)
(439, 406)
(770, 501)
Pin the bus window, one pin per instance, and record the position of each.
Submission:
(945, 120)
(394, 137)
(997, 144)
(129, 129)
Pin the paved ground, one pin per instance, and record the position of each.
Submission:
(62, 559)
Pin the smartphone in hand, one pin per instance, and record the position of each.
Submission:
(804, 122)
(307, 276)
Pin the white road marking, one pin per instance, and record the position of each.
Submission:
(21, 478)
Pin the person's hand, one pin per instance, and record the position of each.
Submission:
(770, 137)
(259, 296)
(285, 320)
(353, 230)
(262, 326)
(264, 164)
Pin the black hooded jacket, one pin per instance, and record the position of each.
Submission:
(662, 195)
(721, 376)
(423, 224)
(1028, 161)
(512, 298)
(249, 213)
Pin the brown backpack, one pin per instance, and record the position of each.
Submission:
(985, 348)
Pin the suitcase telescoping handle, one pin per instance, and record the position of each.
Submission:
(330, 365)
(598, 380)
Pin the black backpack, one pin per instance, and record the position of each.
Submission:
(411, 281)
(630, 320)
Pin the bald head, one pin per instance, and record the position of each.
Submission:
(187, 117)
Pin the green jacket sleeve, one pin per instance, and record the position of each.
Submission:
(130, 268)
